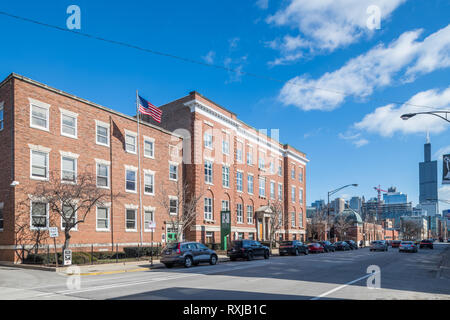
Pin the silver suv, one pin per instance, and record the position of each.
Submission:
(378, 245)
(187, 254)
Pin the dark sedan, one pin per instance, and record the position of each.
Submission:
(294, 247)
(328, 246)
(342, 246)
(426, 244)
(353, 245)
(247, 249)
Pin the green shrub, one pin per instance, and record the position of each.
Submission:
(134, 252)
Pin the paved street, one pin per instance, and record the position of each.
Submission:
(339, 275)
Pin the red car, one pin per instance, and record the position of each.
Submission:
(315, 248)
(396, 243)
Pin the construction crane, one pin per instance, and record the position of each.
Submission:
(379, 190)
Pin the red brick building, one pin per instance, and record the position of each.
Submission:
(235, 167)
(45, 130)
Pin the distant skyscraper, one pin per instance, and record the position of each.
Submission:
(338, 205)
(428, 182)
(355, 204)
(394, 197)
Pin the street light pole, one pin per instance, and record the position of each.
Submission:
(408, 116)
(328, 203)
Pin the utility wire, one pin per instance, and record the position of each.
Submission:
(192, 61)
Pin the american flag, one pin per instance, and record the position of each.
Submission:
(147, 108)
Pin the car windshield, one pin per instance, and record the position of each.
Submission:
(237, 244)
(407, 242)
(286, 243)
(376, 242)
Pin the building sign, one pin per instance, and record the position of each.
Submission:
(67, 257)
(53, 232)
(225, 228)
(446, 169)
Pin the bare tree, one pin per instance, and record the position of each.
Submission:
(275, 220)
(180, 203)
(71, 202)
(318, 225)
(410, 229)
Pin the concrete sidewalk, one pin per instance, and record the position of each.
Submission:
(99, 269)
(444, 266)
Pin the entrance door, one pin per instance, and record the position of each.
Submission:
(260, 229)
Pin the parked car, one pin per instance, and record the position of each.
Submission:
(378, 245)
(315, 247)
(426, 244)
(407, 246)
(294, 247)
(353, 245)
(327, 246)
(247, 249)
(187, 254)
(342, 246)
(396, 243)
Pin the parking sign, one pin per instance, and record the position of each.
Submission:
(67, 257)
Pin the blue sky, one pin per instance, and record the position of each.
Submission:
(353, 136)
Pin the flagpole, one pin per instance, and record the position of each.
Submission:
(139, 162)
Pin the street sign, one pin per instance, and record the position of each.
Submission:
(152, 225)
(67, 257)
(53, 231)
(446, 169)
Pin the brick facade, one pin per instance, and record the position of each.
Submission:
(193, 116)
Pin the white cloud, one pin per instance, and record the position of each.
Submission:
(233, 42)
(209, 58)
(290, 47)
(330, 24)
(262, 4)
(373, 69)
(237, 65)
(444, 150)
(386, 120)
(360, 142)
(354, 138)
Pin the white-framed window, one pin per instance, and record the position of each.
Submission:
(280, 191)
(293, 173)
(208, 172)
(102, 219)
(208, 208)
(68, 169)
(280, 168)
(2, 115)
(149, 182)
(300, 220)
(102, 133)
(300, 174)
(292, 219)
(173, 171)
(130, 220)
(250, 183)
(293, 194)
(1, 216)
(149, 147)
(239, 155)
(130, 180)
(262, 186)
(173, 205)
(70, 215)
(130, 142)
(239, 175)
(39, 215)
(239, 213)
(300, 195)
(272, 189)
(149, 217)
(39, 115)
(250, 156)
(272, 167)
(249, 214)
(208, 139)
(225, 145)
(226, 176)
(102, 174)
(225, 205)
(69, 125)
(39, 164)
(261, 161)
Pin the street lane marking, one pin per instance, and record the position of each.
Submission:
(341, 287)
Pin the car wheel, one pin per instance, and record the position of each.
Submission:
(168, 265)
(213, 259)
(233, 259)
(188, 262)
(296, 252)
(281, 254)
(266, 254)
(306, 252)
(250, 256)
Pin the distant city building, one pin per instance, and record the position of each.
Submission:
(428, 182)
(319, 204)
(311, 211)
(446, 214)
(394, 197)
(422, 223)
(338, 205)
(356, 204)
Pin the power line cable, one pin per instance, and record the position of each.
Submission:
(169, 55)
